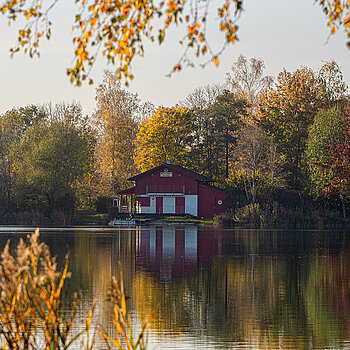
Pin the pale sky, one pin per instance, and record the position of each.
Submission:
(284, 33)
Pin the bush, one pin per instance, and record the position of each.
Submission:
(250, 215)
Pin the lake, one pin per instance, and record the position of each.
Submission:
(214, 289)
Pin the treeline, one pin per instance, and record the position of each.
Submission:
(54, 160)
(280, 148)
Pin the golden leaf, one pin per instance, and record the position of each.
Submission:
(216, 60)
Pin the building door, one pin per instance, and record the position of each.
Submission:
(180, 205)
(168, 205)
(159, 205)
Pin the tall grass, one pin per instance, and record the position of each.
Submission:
(32, 315)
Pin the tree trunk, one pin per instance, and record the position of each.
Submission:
(226, 158)
(245, 188)
(343, 206)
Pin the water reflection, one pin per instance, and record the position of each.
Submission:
(218, 288)
(172, 252)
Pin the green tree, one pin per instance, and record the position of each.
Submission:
(12, 126)
(325, 130)
(48, 161)
(338, 164)
(200, 101)
(218, 116)
(227, 114)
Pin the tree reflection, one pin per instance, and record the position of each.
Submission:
(236, 288)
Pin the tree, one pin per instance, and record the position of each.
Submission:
(251, 153)
(246, 80)
(227, 114)
(200, 101)
(218, 116)
(338, 164)
(120, 29)
(286, 113)
(202, 98)
(48, 161)
(331, 84)
(324, 132)
(13, 124)
(165, 136)
(115, 122)
(67, 113)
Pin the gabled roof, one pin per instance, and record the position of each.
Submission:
(174, 167)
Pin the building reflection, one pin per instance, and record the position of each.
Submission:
(170, 252)
(272, 289)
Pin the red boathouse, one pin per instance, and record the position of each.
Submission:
(172, 189)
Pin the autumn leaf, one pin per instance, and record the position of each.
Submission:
(216, 60)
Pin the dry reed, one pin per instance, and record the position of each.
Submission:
(31, 304)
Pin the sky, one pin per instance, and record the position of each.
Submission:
(284, 33)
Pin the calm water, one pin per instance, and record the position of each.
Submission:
(216, 289)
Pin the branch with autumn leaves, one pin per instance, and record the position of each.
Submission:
(119, 29)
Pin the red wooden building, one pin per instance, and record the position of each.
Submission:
(172, 189)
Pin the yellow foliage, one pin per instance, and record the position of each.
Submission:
(161, 137)
(102, 20)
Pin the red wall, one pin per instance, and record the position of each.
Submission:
(176, 182)
(208, 198)
(144, 201)
(180, 205)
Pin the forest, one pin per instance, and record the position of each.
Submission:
(280, 147)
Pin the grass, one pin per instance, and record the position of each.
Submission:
(184, 219)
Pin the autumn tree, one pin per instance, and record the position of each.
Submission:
(258, 163)
(119, 30)
(286, 111)
(247, 80)
(166, 135)
(115, 123)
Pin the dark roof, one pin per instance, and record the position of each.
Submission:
(174, 167)
(130, 190)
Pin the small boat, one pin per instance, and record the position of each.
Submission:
(120, 222)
